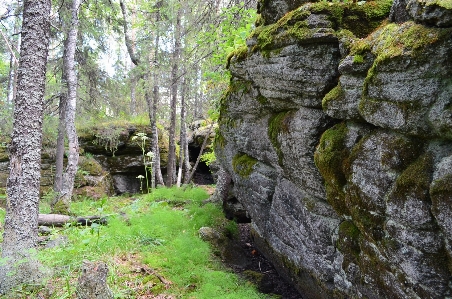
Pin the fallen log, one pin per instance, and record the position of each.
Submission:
(61, 220)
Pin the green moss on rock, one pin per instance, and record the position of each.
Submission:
(447, 4)
(415, 180)
(4, 156)
(219, 140)
(90, 165)
(442, 186)
(348, 243)
(243, 164)
(329, 158)
(336, 94)
(361, 19)
(240, 54)
(395, 40)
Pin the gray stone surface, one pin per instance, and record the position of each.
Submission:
(353, 201)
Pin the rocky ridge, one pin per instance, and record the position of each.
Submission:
(336, 131)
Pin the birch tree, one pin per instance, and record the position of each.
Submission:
(64, 182)
(21, 221)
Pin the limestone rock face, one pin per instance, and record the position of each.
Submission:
(340, 147)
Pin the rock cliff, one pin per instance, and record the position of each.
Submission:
(337, 133)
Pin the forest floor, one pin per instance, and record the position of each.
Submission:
(152, 248)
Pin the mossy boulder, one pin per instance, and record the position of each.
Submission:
(431, 12)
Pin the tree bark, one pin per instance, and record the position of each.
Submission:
(21, 221)
(62, 202)
(173, 104)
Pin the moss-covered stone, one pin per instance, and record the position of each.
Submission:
(90, 165)
(4, 156)
(240, 54)
(219, 140)
(335, 94)
(442, 186)
(277, 124)
(329, 158)
(447, 4)
(359, 19)
(243, 164)
(348, 243)
(60, 207)
(415, 180)
(394, 40)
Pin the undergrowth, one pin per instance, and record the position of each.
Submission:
(151, 246)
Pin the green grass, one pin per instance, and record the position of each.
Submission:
(157, 232)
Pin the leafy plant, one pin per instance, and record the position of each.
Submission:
(148, 160)
(208, 158)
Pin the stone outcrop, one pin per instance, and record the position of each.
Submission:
(109, 163)
(337, 133)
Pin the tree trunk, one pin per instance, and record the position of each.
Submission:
(21, 221)
(133, 78)
(127, 35)
(59, 156)
(12, 76)
(174, 80)
(61, 220)
(183, 133)
(152, 105)
(203, 146)
(62, 201)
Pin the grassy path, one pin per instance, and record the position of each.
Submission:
(151, 246)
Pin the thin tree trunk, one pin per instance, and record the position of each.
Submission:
(203, 146)
(156, 169)
(127, 35)
(152, 106)
(21, 221)
(62, 202)
(173, 104)
(133, 79)
(13, 62)
(59, 159)
(183, 132)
